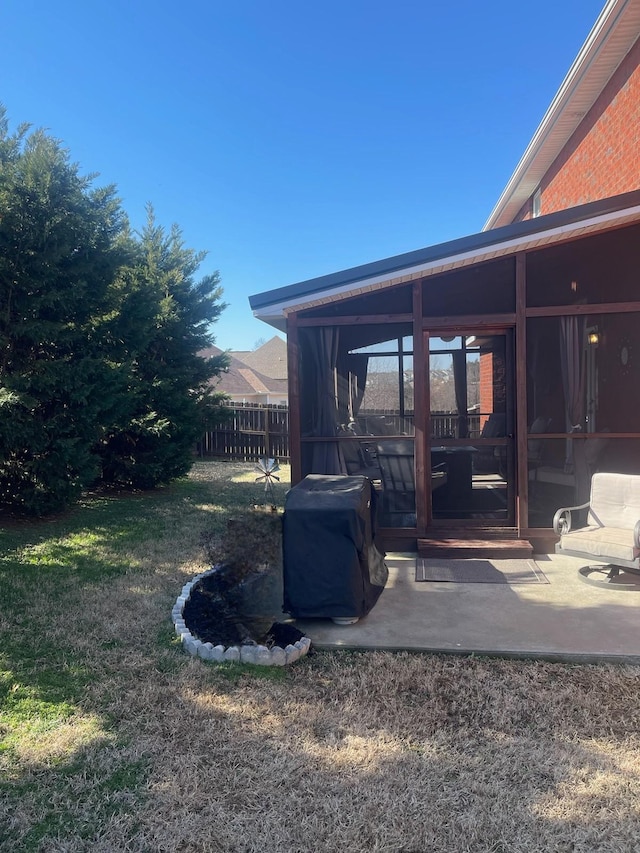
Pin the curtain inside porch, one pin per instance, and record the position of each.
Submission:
(460, 385)
(324, 396)
(573, 368)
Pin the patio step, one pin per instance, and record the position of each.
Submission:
(467, 548)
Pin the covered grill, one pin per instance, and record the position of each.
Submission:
(332, 567)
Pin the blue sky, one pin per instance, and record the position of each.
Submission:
(293, 139)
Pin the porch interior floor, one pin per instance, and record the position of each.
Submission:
(565, 619)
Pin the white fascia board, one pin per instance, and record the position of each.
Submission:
(275, 313)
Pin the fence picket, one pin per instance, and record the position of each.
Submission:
(252, 432)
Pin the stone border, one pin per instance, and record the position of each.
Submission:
(260, 655)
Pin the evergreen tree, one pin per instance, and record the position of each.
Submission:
(61, 244)
(100, 375)
(163, 324)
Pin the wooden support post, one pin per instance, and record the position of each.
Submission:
(420, 416)
(522, 475)
(293, 370)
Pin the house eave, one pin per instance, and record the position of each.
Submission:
(613, 35)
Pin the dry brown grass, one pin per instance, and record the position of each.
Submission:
(367, 752)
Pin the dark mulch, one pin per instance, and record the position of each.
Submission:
(210, 615)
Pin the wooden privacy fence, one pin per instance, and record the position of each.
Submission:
(251, 432)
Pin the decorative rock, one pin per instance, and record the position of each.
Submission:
(205, 651)
(303, 645)
(292, 653)
(306, 642)
(217, 653)
(263, 656)
(232, 654)
(278, 656)
(189, 643)
(248, 654)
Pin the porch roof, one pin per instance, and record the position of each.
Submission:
(273, 306)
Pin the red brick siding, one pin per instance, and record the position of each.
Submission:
(486, 386)
(602, 158)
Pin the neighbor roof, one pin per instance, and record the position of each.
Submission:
(273, 306)
(240, 379)
(612, 37)
(270, 358)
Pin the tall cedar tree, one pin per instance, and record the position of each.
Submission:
(163, 324)
(61, 244)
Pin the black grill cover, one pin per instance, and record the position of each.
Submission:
(332, 567)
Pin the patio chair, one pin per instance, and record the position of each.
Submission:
(396, 462)
(358, 461)
(395, 458)
(487, 459)
(611, 536)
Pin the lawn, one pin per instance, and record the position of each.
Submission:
(111, 738)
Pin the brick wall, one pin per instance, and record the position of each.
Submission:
(602, 158)
(486, 385)
(493, 383)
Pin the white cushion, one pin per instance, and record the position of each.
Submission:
(615, 500)
(604, 543)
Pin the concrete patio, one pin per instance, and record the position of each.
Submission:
(566, 619)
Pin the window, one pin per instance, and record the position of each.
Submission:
(536, 204)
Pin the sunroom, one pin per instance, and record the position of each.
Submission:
(479, 383)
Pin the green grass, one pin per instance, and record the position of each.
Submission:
(66, 651)
(57, 812)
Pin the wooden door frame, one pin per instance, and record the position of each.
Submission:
(485, 325)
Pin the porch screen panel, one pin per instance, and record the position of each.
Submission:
(471, 458)
(356, 385)
(386, 407)
(385, 302)
(552, 484)
(487, 288)
(583, 373)
(596, 268)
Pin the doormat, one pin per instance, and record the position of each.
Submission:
(479, 571)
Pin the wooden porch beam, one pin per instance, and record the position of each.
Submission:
(355, 320)
(592, 308)
(466, 322)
